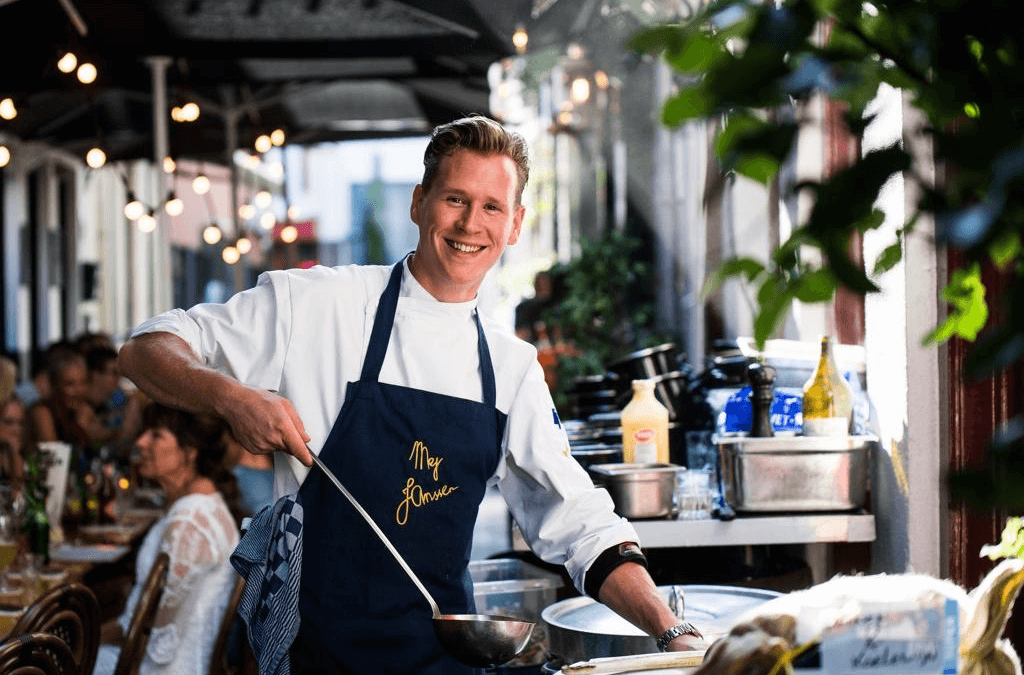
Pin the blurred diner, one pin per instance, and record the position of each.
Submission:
(186, 455)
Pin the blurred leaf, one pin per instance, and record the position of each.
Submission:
(1005, 248)
(695, 54)
(774, 302)
(890, 256)
(688, 104)
(748, 268)
(670, 36)
(818, 286)
(966, 293)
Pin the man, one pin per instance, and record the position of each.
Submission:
(435, 402)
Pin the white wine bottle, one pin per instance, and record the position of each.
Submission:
(828, 398)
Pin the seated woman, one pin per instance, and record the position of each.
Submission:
(65, 414)
(185, 455)
(12, 442)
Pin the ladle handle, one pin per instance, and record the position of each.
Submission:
(383, 537)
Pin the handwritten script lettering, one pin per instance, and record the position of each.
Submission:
(414, 496)
(421, 459)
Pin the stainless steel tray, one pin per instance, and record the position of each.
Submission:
(794, 473)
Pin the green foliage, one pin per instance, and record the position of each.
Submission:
(607, 308)
(1011, 542)
(752, 65)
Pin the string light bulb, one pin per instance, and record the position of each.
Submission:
(87, 73)
(190, 111)
(230, 255)
(5, 156)
(277, 137)
(146, 222)
(169, 164)
(267, 221)
(579, 90)
(263, 199)
(520, 39)
(67, 63)
(212, 234)
(95, 158)
(134, 209)
(7, 108)
(293, 212)
(246, 211)
(174, 206)
(263, 143)
(201, 184)
(244, 244)
(289, 233)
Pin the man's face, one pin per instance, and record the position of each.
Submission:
(466, 219)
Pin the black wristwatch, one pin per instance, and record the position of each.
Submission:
(684, 628)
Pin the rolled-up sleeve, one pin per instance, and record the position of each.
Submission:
(246, 337)
(563, 517)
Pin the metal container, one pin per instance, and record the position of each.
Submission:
(794, 473)
(638, 490)
(582, 628)
(645, 364)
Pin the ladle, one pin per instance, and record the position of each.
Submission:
(478, 640)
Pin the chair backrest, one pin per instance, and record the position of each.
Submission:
(72, 613)
(220, 661)
(137, 637)
(36, 654)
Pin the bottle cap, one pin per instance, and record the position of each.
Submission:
(643, 384)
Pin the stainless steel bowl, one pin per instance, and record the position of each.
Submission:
(638, 490)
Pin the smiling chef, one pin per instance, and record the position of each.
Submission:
(417, 403)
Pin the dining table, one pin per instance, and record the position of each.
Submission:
(98, 555)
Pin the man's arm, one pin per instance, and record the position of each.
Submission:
(164, 367)
(631, 593)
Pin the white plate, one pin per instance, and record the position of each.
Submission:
(84, 553)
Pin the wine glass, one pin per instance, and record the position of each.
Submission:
(8, 537)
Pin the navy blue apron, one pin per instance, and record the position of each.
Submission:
(418, 462)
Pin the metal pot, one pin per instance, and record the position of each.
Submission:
(581, 628)
(645, 364)
(638, 490)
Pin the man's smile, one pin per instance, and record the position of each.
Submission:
(465, 248)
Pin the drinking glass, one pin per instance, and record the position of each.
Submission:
(8, 538)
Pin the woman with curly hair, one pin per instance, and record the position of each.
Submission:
(185, 455)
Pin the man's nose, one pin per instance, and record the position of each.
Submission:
(470, 219)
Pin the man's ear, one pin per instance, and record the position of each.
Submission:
(414, 206)
(517, 224)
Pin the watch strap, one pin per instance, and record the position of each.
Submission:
(683, 628)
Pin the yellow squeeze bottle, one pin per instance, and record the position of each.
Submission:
(644, 426)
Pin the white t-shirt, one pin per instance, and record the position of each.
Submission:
(304, 333)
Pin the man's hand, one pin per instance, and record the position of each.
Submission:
(263, 422)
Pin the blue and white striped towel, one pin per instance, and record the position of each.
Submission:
(269, 556)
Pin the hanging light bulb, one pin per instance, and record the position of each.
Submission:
(190, 112)
(277, 137)
(263, 143)
(230, 255)
(601, 79)
(289, 233)
(169, 164)
(87, 73)
(263, 199)
(212, 234)
(244, 244)
(201, 184)
(95, 158)
(134, 209)
(146, 222)
(67, 63)
(293, 212)
(5, 156)
(7, 109)
(267, 221)
(520, 39)
(579, 90)
(174, 206)
(246, 211)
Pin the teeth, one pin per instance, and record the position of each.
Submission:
(462, 247)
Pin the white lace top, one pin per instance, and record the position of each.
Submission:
(199, 534)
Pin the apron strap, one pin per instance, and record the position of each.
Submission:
(383, 322)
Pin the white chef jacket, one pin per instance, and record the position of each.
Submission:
(304, 333)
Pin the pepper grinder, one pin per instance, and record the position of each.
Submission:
(762, 395)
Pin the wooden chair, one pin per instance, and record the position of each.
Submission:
(141, 625)
(36, 654)
(220, 663)
(70, 612)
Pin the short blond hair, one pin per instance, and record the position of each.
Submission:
(480, 134)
